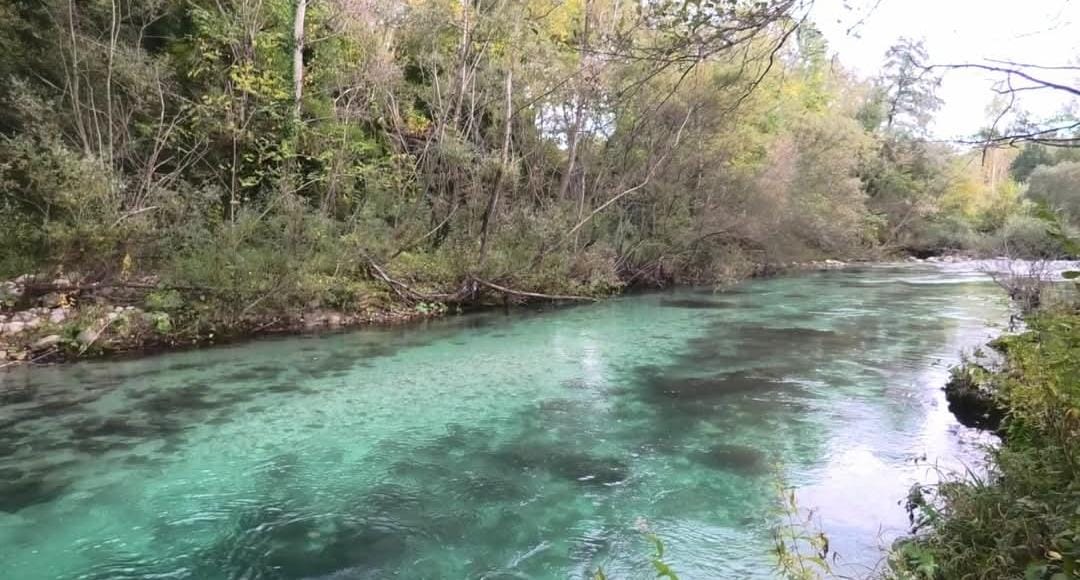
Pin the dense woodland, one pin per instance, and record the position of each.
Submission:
(275, 154)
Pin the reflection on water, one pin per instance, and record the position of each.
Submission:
(527, 445)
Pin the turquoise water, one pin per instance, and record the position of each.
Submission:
(500, 445)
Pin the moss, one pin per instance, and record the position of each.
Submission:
(972, 397)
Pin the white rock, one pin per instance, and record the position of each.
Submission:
(46, 342)
(87, 336)
(57, 315)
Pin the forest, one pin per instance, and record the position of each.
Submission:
(232, 164)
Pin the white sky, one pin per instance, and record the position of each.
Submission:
(1045, 32)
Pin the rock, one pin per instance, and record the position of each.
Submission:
(972, 400)
(12, 327)
(58, 315)
(52, 300)
(10, 290)
(87, 336)
(46, 342)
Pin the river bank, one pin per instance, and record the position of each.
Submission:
(1018, 519)
(57, 318)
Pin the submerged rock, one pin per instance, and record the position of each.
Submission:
(735, 458)
(697, 304)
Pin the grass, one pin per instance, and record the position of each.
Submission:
(1022, 518)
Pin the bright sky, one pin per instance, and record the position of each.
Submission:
(1044, 32)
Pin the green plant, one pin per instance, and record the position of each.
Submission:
(663, 569)
(800, 548)
(164, 299)
(1020, 519)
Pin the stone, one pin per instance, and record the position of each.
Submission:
(87, 336)
(52, 300)
(47, 342)
(58, 315)
(12, 327)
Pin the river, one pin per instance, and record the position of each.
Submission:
(528, 444)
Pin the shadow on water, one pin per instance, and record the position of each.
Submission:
(696, 304)
(689, 435)
(160, 399)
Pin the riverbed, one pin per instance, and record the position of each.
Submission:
(520, 444)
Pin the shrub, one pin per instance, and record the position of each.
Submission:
(1024, 236)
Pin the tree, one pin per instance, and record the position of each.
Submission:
(910, 88)
(1058, 187)
(1016, 79)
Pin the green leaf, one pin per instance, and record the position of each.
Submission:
(664, 571)
(1071, 274)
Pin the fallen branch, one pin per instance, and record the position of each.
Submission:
(467, 292)
(539, 295)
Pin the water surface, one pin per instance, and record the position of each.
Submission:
(522, 445)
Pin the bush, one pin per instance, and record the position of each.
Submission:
(944, 234)
(1025, 236)
(1020, 520)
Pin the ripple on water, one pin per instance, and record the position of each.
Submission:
(522, 446)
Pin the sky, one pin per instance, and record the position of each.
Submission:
(1044, 32)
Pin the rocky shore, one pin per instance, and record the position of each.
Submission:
(58, 318)
(61, 317)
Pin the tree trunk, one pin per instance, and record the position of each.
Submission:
(579, 111)
(493, 202)
(298, 56)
